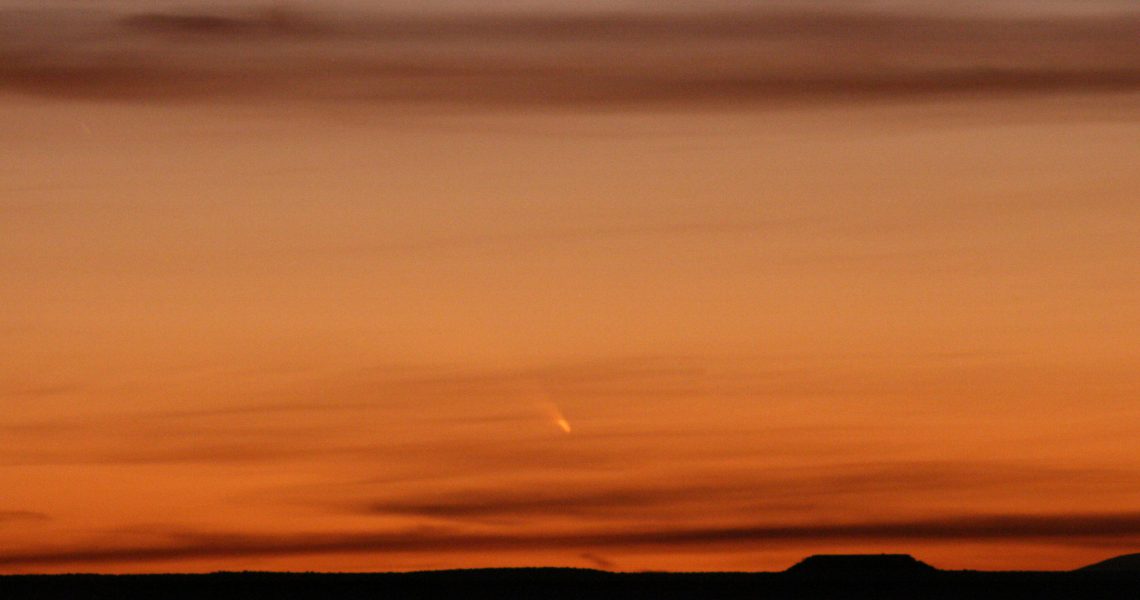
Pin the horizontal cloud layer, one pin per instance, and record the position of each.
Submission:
(1110, 529)
(738, 57)
(759, 491)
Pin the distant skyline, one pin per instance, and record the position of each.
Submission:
(325, 290)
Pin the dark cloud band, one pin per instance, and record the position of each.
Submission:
(615, 60)
(1104, 529)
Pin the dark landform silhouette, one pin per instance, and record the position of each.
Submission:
(824, 576)
(861, 565)
(1120, 564)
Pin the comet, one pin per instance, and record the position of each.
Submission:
(558, 418)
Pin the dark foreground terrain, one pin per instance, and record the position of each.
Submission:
(816, 577)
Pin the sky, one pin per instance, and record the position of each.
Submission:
(391, 286)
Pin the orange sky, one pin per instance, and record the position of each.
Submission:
(890, 306)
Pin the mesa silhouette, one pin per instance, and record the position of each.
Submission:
(833, 577)
(1128, 563)
(862, 566)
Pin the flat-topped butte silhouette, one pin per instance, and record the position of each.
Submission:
(861, 565)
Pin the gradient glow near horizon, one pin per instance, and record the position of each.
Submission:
(317, 288)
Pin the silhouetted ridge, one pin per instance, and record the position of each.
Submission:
(861, 565)
(859, 577)
(1128, 563)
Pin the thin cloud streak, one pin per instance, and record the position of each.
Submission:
(1123, 528)
(22, 515)
(570, 236)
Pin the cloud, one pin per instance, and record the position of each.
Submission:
(600, 562)
(1122, 528)
(523, 504)
(271, 22)
(698, 58)
(37, 392)
(440, 423)
(22, 515)
(571, 236)
(306, 427)
(409, 440)
(758, 491)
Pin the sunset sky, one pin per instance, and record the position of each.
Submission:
(360, 286)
